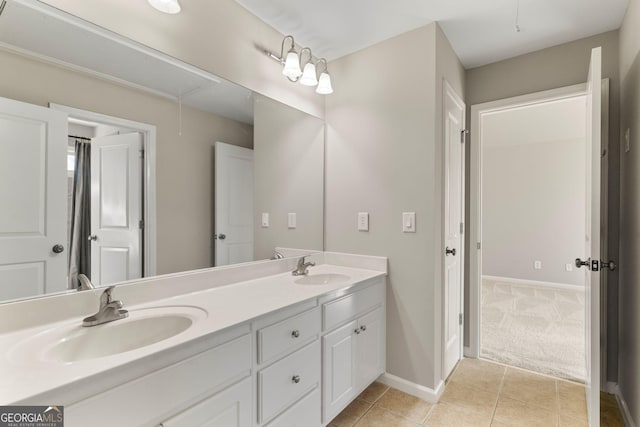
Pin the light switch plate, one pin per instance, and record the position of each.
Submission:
(265, 219)
(537, 265)
(291, 220)
(408, 222)
(363, 221)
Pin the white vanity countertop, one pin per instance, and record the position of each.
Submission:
(225, 306)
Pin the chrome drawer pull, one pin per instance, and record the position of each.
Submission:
(295, 334)
(296, 379)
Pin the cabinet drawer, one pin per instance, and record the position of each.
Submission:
(346, 308)
(161, 393)
(288, 335)
(277, 386)
(305, 413)
(228, 408)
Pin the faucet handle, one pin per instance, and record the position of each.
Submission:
(105, 298)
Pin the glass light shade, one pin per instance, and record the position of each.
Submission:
(324, 85)
(309, 75)
(166, 6)
(292, 66)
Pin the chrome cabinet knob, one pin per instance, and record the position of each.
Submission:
(295, 334)
(295, 379)
(57, 248)
(92, 237)
(357, 331)
(363, 328)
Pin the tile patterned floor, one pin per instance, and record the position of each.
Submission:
(480, 393)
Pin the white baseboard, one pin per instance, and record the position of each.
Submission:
(624, 408)
(535, 283)
(417, 390)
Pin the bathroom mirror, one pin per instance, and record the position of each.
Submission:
(200, 172)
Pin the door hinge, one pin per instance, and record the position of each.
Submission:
(142, 154)
(478, 245)
(462, 228)
(463, 135)
(141, 224)
(460, 319)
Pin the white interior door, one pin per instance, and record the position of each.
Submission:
(116, 208)
(233, 204)
(33, 190)
(454, 112)
(592, 236)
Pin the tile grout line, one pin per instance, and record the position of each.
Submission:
(557, 403)
(370, 407)
(495, 406)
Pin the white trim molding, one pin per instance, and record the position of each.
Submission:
(421, 392)
(624, 408)
(534, 283)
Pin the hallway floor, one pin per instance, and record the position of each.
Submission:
(480, 393)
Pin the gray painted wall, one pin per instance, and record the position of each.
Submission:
(184, 164)
(293, 140)
(629, 378)
(384, 157)
(533, 191)
(559, 66)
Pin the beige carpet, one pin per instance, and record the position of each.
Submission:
(534, 327)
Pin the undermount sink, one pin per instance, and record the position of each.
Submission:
(74, 343)
(322, 279)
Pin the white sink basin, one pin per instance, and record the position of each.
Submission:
(73, 342)
(322, 279)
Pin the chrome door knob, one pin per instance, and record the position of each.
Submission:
(219, 236)
(448, 251)
(57, 248)
(92, 237)
(608, 264)
(580, 263)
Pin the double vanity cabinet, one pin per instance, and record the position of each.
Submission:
(298, 365)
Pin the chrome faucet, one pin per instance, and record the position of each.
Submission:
(85, 283)
(108, 312)
(277, 255)
(303, 267)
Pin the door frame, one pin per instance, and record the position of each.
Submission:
(475, 195)
(148, 181)
(448, 90)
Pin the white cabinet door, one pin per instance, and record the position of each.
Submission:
(370, 348)
(339, 376)
(228, 408)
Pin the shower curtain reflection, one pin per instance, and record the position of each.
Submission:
(80, 213)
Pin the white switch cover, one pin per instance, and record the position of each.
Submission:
(363, 221)
(537, 265)
(408, 222)
(568, 267)
(291, 220)
(265, 219)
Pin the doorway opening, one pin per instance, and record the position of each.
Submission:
(111, 198)
(527, 298)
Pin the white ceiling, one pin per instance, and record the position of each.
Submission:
(480, 31)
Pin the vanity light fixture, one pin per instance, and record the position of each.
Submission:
(166, 6)
(304, 72)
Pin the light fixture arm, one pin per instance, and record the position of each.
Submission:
(302, 51)
(319, 70)
(293, 45)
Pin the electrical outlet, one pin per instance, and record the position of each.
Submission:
(537, 265)
(363, 221)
